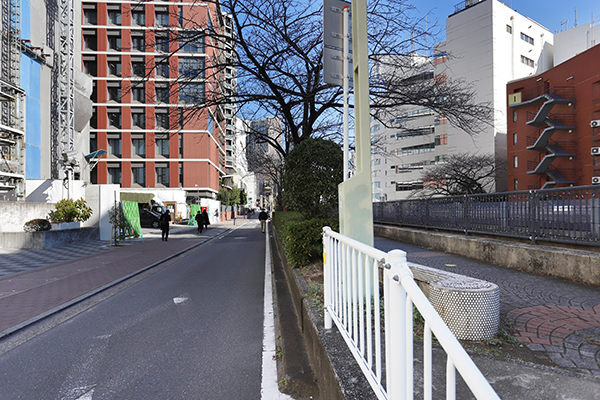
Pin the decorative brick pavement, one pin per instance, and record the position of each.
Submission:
(568, 335)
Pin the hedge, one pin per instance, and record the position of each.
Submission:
(301, 238)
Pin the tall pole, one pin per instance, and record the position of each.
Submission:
(346, 76)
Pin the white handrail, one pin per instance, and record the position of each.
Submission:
(353, 302)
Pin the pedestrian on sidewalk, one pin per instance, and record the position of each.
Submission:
(199, 221)
(206, 219)
(262, 217)
(165, 218)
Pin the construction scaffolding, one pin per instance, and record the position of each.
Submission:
(12, 106)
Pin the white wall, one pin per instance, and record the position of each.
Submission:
(569, 43)
(484, 53)
(101, 198)
(52, 191)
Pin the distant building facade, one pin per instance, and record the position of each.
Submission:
(554, 123)
(150, 68)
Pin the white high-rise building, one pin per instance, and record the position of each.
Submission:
(489, 44)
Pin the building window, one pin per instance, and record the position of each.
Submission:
(191, 67)
(114, 14)
(90, 40)
(514, 138)
(90, 66)
(191, 93)
(162, 92)
(162, 118)
(162, 69)
(138, 41)
(138, 174)
(515, 162)
(516, 183)
(114, 173)
(162, 174)
(191, 42)
(90, 15)
(138, 66)
(114, 40)
(114, 65)
(161, 16)
(509, 29)
(376, 185)
(162, 145)
(514, 115)
(526, 38)
(138, 118)
(441, 140)
(114, 91)
(162, 42)
(138, 92)
(114, 144)
(138, 145)
(180, 174)
(527, 61)
(180, 145)
(138, 17)
(114, 117)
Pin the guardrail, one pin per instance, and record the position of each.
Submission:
(567, 215)
(378, 327)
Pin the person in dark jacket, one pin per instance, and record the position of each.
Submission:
(199, 221)
(263, 217)
(165, 218)
(206, 219)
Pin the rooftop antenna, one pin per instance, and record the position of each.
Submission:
(575, 16)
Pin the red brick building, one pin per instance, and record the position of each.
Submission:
(551, 132)
(139, 54)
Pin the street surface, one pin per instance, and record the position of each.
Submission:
(192, 330)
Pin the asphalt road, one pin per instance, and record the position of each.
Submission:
(192, 330)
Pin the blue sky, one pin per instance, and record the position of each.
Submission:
(549, 13)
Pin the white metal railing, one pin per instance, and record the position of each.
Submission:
(353, 273)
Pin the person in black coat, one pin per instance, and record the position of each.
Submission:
(263, 217)
(206, 219)
(199, 221)
(165, 218)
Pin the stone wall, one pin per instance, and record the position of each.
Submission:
(576, 265)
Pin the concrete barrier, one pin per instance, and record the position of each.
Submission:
(576, 265)
(48, 239)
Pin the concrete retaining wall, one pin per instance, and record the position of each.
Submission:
(14, 214)
(338, 375)
(576, 265)
(48, 239)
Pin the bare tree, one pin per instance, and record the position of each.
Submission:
(460, 174)
(276, 48)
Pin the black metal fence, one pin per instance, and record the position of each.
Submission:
(568, 215)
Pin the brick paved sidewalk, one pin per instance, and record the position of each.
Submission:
(556, 319)
(37, 290)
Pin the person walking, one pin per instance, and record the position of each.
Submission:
(199, 221)
(206, 219)
(262, 217)
(165, 218)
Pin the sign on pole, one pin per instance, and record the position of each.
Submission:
(333, 41)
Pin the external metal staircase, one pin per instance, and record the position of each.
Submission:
(550, 96)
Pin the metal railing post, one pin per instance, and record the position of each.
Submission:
(395, 326)
(327, 271)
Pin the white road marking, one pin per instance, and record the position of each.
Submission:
(80, 382)
(179, 300)
(269, 387)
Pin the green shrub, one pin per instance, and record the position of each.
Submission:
(69, 210)
(37, 225)
(302, 239)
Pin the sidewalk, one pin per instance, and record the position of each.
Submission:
(557, 321)
(38, 283)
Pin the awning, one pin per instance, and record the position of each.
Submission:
(137, 197)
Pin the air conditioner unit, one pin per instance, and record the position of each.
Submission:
(595, 123)
(596, 151)
(596, 180)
